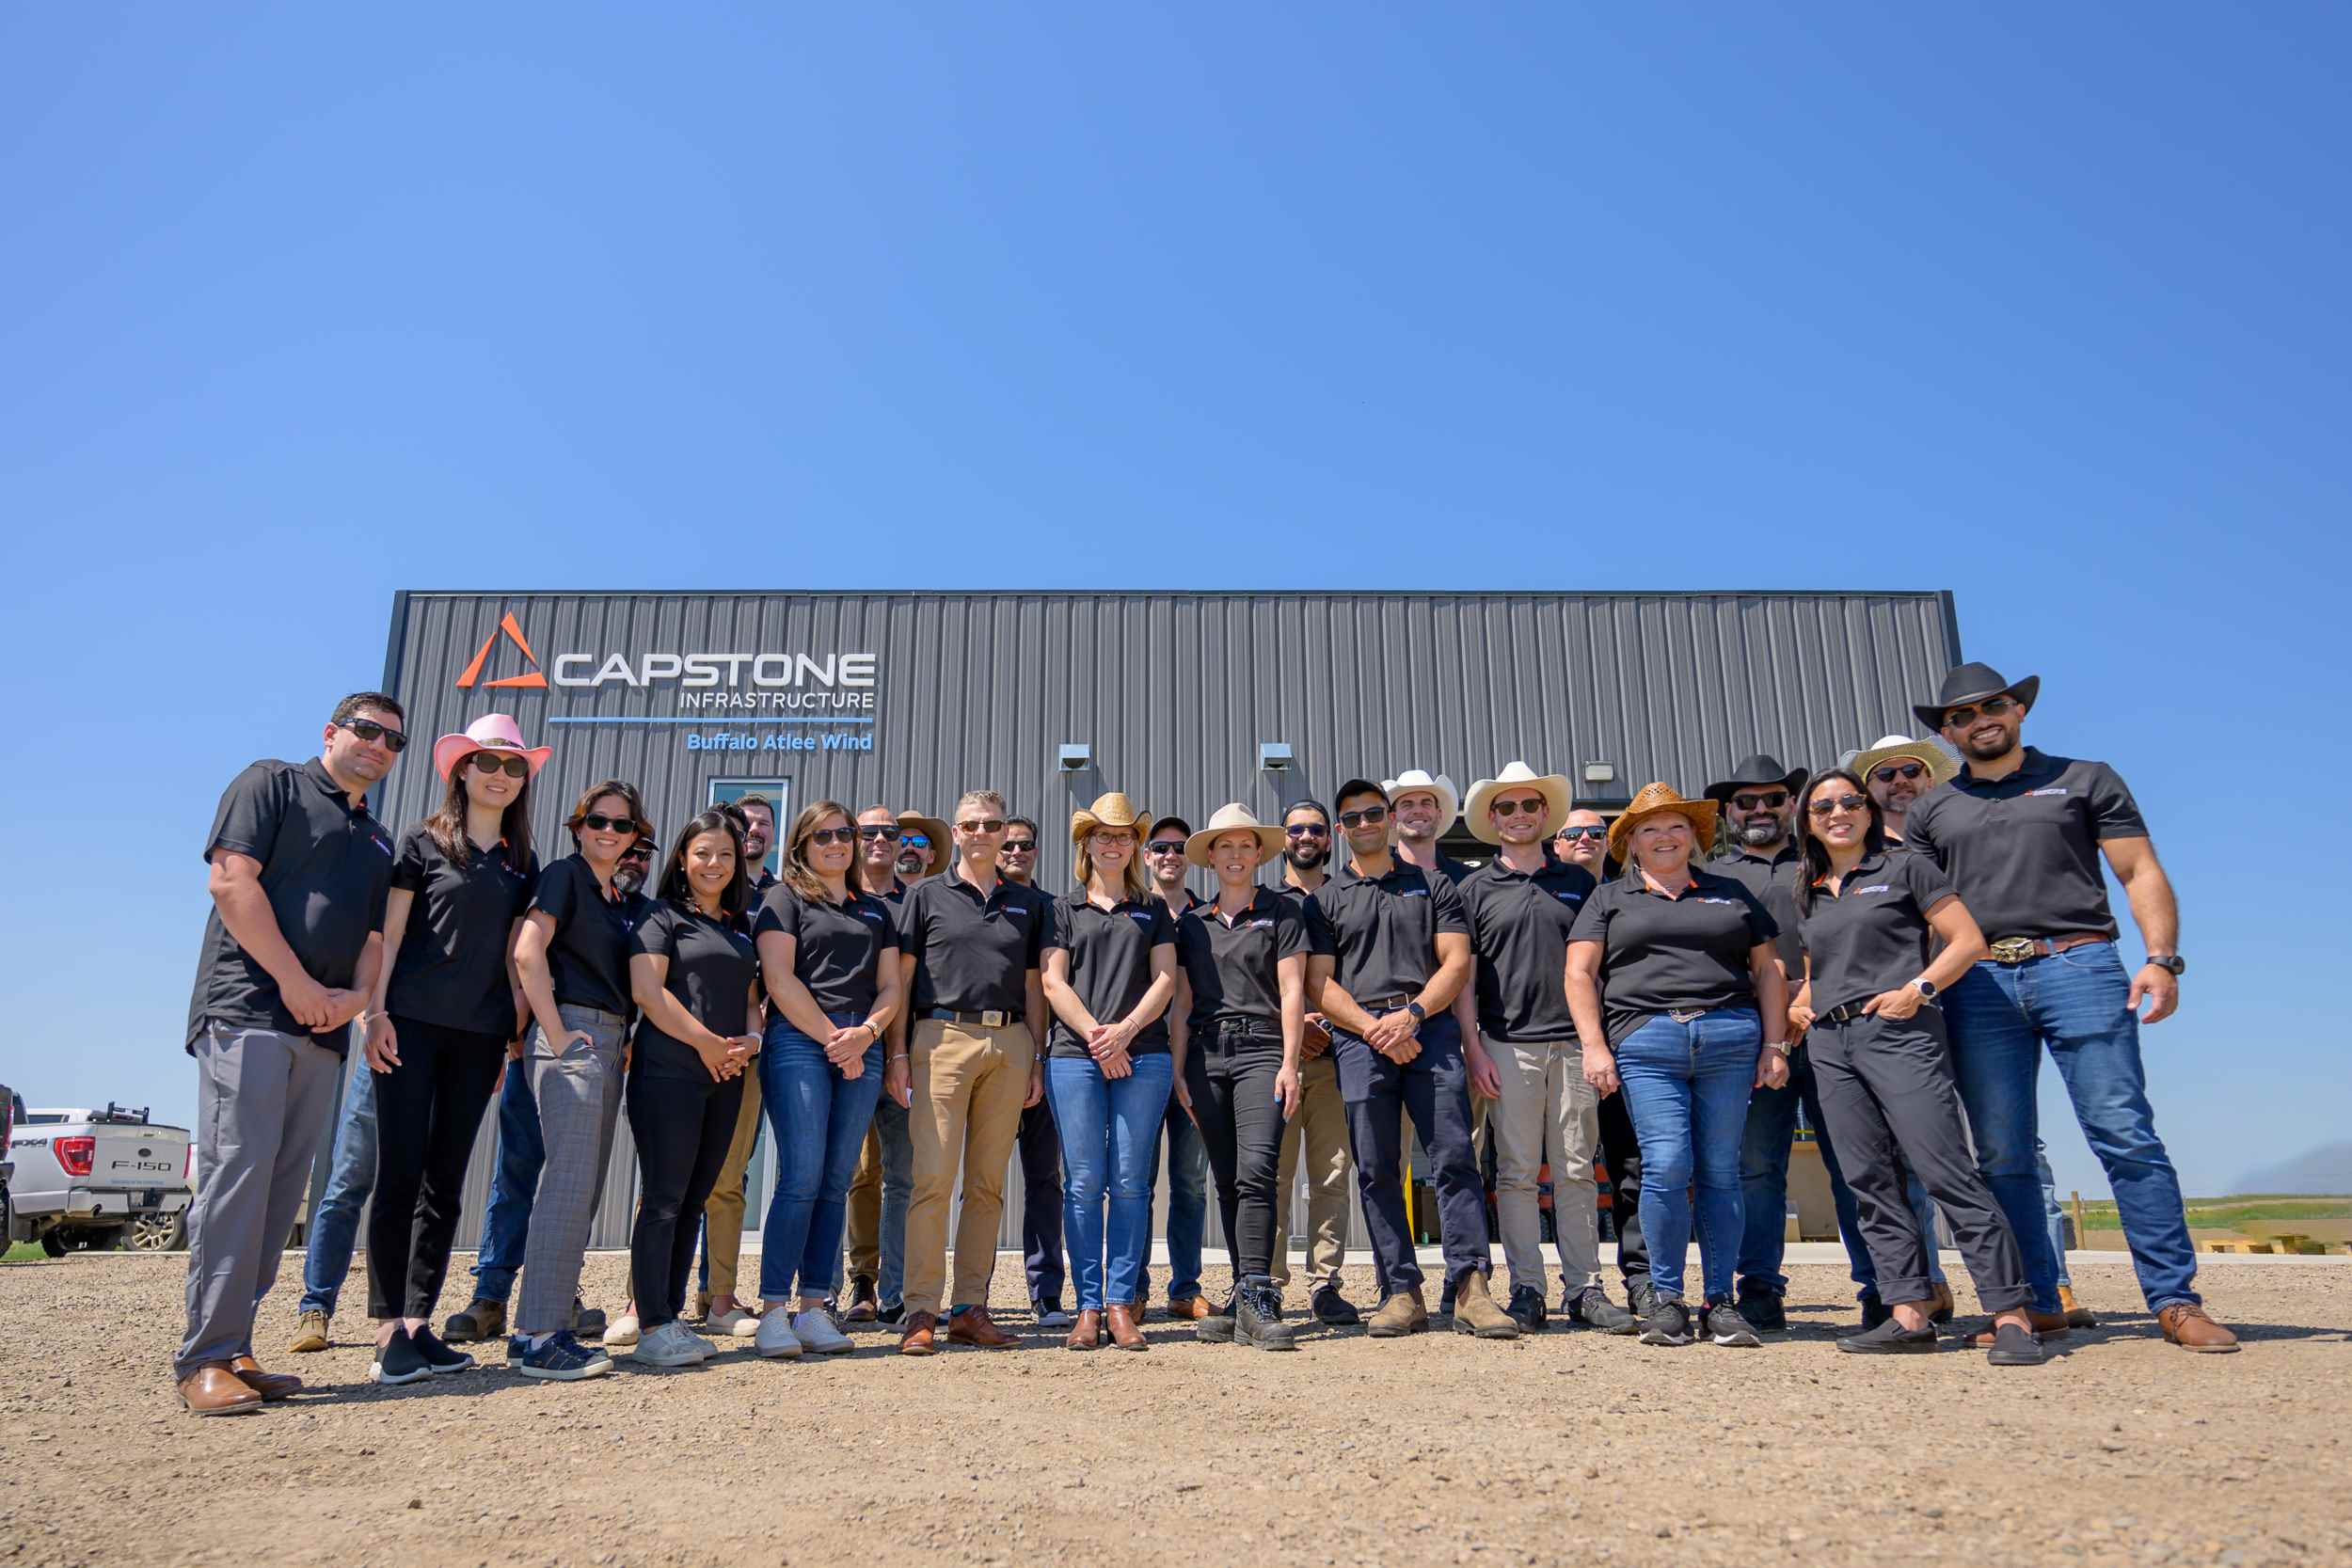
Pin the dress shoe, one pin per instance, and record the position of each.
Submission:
(1124, 1334)
(2050, 1325)
(862, 1302)
(973, 1326)
(921, 1334)
(1401, 1314)
(2186, 1325)
(1087, 1333)
(272, 1387)
(1187, 1310)
(2077, 1315)
(212, 1390)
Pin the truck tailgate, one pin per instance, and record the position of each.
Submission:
(141, 1156)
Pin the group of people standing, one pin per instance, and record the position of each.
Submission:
(1887, 946)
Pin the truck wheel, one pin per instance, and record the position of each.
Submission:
(155, 1233)
(52, 1243)
(106, 1240)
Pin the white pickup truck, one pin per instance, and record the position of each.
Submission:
(98, 1179)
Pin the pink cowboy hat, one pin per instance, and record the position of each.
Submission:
(492, 732)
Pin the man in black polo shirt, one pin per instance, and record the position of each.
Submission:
(2020, 833)
(1041, 1144)
(300, 871)
(1319, 1130)
(1402, 953)
(874, 1221)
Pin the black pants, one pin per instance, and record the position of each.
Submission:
(1230, 1074)
(682, 1125)
(1622, 1153)
(1890, 1100)
(1433, 1089)
(1040, 1204)
(427, 1111)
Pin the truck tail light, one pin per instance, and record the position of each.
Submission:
(75, 1154)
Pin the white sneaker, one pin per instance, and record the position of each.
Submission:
(774, 1338)
(734, 1323)
(674, 1345)
(816, 1331)
(621, 1332)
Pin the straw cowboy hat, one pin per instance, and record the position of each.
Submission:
(931, 828)
(1649, 801)
(1109, 811)
(1414, 779)
(1553, 786)
(1972, 683)
(492, 732)
(1233, 817)
(1941, 764)
(1759, 770)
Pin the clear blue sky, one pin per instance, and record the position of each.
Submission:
(2044, 305)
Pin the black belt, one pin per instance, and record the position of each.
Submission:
(1843, 1011)
(1387, 1003)
(1246, 1028)
(988, 1017)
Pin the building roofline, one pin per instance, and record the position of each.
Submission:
(406, 593)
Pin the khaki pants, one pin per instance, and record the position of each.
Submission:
(970, 1083)
(1546, 1112)
(1321, 1128)
(723, 1216)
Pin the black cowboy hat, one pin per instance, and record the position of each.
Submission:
(1760, 769)
(1971, 683)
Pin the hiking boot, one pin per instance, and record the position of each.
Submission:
(482, 1319)
(1526, 1308)
(1475, 1312)
(1217, 1327)
(1258, 1316)
(1592, 1307)
(1401, 1314)
(309, 1334)
(1721, 1321)
(2186, 1325)
(1889, 1338)
(2077, 1315)
(1332, 1309)
(1667, 1322)
(1762, 1308)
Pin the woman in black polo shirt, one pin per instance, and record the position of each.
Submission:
(1240, 1025)
(828, 956)
(1697, 1009)
(1110, 972)
(693, 970)
(1868, 915)
(446, 1004)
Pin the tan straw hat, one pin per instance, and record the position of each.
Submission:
(1649, 801)
(1940, 763)
(1414, 781)
(931, 828)
(1109, 811)
(1233, 817)
(1516, 775)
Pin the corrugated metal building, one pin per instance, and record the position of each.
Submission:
(909, 698)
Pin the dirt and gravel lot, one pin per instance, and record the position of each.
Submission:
(1567, 1448)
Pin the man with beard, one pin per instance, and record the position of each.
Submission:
(875, 1231)
(1187, 1156)
(1040, 1143)
(722, 1215)
(2020, 833)
(1320, 1126)
(1897, 770)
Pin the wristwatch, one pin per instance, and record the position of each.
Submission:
(1419, 1015)
(1926, 987)
(2172, 963)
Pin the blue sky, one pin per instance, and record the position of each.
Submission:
(2043, 305)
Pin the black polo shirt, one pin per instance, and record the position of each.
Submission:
(1774, 883)
(1230, 965)
(1384, 929)
(1317, 929)
(1519, 923)
(837, 948)
(1671, 955)
(973, 952)
(588, 956)
(327, 866)
(1873, 935)
(451, 969)
(2023, 852)
(712, 968)
(1110, 965)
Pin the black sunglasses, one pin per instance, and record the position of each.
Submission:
(369, 730)
(1841, 802)
(1512, 808)
(1583, 833)
(1358, 818)
(1893, 770)
(833, 836)
(1165, 846)
(1019, 847)
(888, 835)
(1309, 829)
(596, 822)
(639, 850)
(490, 762)
(1770, 799)
(1991, 708)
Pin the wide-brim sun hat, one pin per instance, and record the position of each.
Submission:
(1941, 764)
(1759, 770)
(1972, 683)
(492, 732)
(931, 828)
(1518, 775)
(1234, 817)
(1113, 810)
(1652, 799)
(1415, 780)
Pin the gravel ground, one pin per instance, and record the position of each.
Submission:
(1566, 1448)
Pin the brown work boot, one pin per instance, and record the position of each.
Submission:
(2077, 1315)
(973, 1326)
(1475, 1312)
(1187, 1310)
(2186, 1325)
(272, 1387)
(1087, 1333)
(212, 1390)
(2050, 1325)
(1124, 1334)
(921, 1334)
(309, 1334)
(1403, 1313)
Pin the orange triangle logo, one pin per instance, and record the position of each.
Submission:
(514, 634)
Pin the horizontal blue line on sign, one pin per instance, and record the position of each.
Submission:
(713, 723)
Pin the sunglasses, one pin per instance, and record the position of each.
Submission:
(369, 730)
(490, 762)
(596, 822)
(834, 835)
(1512, 808)
(888, 836)
(639, 851)
(1770, 799)
(1309, 829)
(1956, 718)
(1165, 846)
(1841, 802)
(1583, 833)
(981, 826)
(914, 841)
(1019, 847)
(1893, 770)
(1359, 818)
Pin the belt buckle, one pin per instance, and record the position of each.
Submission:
(2012, 950)
(1686, 1015)
(992, 1018)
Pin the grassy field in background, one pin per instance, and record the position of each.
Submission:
(2223, 1214)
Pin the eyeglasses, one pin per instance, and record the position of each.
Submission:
(888, 835)
(1019, 847)
(597, 823)
(490, 762)
(1115, 838)
(1583, 833)
(1956, 718)
(1165, 846)
(914, 841)
(1770, 799)
(1309, 829)
(834, 835)
(1841, 802)
(981, 827)
(638, 852)
(1893, 770)
(1512, 808)
(369, 730)
(1359, 818)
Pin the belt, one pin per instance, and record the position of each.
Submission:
(1387, 1004)
(986, 1018)
(1841, 1013)
(602, 1015)
(1246, 1028)
(2017, 950)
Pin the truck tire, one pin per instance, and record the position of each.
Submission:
(155, 1233)
(52, 1242)
(106, 1240)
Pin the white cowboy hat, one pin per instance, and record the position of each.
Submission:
(1413, 779)
(1234, 817)
(1552, 787)
(1941, 764)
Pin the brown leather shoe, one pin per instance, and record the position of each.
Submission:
(2050, 1325)
(272, 1387)
(921, 1334)
(2077, 1315)
(1124, 1334)
(973, 1326)
(2186, 1325)
(212, 1390)
(1187, 1310)
(1403, 1313)
(1087, 1333)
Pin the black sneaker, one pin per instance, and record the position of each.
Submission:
(1258, 1316)
(1592, 1307)
(438, 1355)
(1526, 1310)
(894, 1313)
(397, 1362)
(1721, 1321)
(1874, 1311)
(1667, 1322)
(2013, 1346)
(1762, 1308)
(482, 1319)
(1889, 1338)
(1332, 1309)
(1640, 1294)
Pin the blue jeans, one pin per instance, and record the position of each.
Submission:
(820, 1119)
(2052, 1214)
(1109, 1128)
(897, 1192)
(507, 1227)
(1187, 1205)
(2077, 1004)
(1687, 1085)
(350, 1178)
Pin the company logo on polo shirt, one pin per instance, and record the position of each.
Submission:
(1569, 897)
(1414, 893)
(869, 914)
(1144, 916)
(512, 633)
(2052, 789)
(1876, 887)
